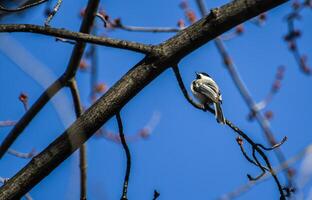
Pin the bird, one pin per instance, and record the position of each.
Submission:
(207, 92)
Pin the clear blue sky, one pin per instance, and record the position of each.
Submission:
(189, 155)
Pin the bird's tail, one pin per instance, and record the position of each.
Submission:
(219, 114)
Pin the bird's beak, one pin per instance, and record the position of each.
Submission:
(197, 74)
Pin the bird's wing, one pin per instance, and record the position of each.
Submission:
(213, 85)
(208, 91)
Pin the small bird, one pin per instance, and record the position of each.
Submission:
(206, 90)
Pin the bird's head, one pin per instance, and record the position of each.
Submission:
(200, 75)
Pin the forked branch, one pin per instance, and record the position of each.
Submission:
(255, 146)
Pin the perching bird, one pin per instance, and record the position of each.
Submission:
(206, 90)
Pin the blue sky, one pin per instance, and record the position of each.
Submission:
(188, 155)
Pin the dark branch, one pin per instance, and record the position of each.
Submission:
(53, 12)
(263, 122)
(184, 91)
(126, 148)
(23, 7)
(77, 36)
(240, 143)
(243, 135)
(156, 195)
(83, 149)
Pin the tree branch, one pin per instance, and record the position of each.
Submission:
(262, 121)
(23, 7)
(117, 24)
(58, 84)
(83, 149)
(171, 51)
(77, 36)
(246, 187)
(255, 146)
(126, 148)
(53, 12)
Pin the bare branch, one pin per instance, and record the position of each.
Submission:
(274, 146)
(239, 141)
(23, 7)
(126, 148)
(156, 195)
(83, 149)
(7, 123)
(22, 155)
(118, 24)
(261, 153)
(183, 89)
(171, 51)
(53, 12)
(293, 34)
(246, 187)
(77, 36)
(263, 122)
(255, 147)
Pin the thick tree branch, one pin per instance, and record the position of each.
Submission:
(77, 36)
(171, 51)
(58, 84)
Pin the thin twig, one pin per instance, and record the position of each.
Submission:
(246, 187)
(293, 34)
(83, 149)
(274, 146)
(125, 146)
(156, 195)
(184, 91)
(258, 164)
(117, 24)
(27, 5)
(53, 12)
(240, 143)
(7, 123)
(22, 155)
